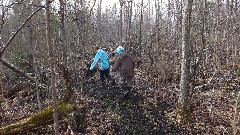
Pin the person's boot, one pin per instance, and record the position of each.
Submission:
(103, 85)
(113, 83)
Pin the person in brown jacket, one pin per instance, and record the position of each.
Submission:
(125, 65)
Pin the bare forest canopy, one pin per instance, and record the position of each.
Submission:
(186, 54)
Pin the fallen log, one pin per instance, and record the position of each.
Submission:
(44, 117)
(11, 91)
(17, 70)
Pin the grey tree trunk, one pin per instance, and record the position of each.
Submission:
(121, 23)
(52, 68)
(63, 32)
(227, 32)
(36, 71)
(185, 63)
(129, 20)
(140, 29)
(33, 45)
(67, 88)
(99, 21)
(217, 36)
(158, 12)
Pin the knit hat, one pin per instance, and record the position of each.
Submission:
(119, 50)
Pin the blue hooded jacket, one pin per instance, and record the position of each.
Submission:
(102, 59)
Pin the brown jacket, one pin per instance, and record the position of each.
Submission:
(125, 65)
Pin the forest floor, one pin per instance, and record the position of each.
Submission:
(147, 111)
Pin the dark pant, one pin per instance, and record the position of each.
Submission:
(104, 74)
(127, 81)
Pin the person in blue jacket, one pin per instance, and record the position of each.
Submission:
(101, 60)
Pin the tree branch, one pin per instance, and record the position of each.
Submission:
(14, 35)
(17, 70)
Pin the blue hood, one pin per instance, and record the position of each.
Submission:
(102, 59)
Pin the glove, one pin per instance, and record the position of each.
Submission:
(87, 70)
(90, 73)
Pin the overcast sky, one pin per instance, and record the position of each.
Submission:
(111, 2)
(105, 3)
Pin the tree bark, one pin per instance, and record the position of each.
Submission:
(99, 22)
(140, 29)
(67, 95)
(33, 46)
(185, 63)
(121, 22)
(63, 66)
(52, 67)
(62, 32)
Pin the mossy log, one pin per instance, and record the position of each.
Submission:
(44, 117)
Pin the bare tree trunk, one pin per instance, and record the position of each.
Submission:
(185, 63)
(36, 71)
(228, 32)
(33, 46)
(121, 22)
(52, 68)
(217, 37)
(157, 7)
(2, 18)
(67, 88)
(140, 29)
(63, 32)
(236, 3)
(128, 20)
(231, 39)
(169, 27)
(99, 21)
